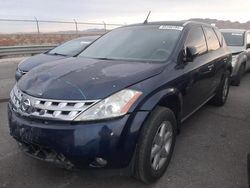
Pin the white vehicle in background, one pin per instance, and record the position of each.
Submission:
(239, 43)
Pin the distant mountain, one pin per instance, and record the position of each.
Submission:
(224, 24)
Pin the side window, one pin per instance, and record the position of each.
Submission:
(212, 40)
(196, 39)
(219, 36)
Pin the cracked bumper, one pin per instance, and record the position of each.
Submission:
(79, 144)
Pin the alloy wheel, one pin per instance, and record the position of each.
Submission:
(161, 145)
(225, 88)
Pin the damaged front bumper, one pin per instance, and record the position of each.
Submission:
(107, 144)
(45, 154)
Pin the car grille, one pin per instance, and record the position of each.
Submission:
(46, 108)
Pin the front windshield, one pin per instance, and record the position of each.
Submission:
(141, 43)
(234, 38)
(70, 48)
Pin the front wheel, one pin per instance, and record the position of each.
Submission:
(221, 95)
(155, 146)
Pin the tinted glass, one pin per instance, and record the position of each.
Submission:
(196, 39)
(142, 43)
(212, 40)
(71, 48)
(234, 38)
(219, 35)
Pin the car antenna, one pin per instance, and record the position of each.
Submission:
(146, 21)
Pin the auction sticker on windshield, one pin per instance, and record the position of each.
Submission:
(237, 34)
(85, 42)
(172, 27)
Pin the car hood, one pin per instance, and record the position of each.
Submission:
(85, 79)
(37, 60)
(236, 49)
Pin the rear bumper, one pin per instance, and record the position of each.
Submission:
(79, 145)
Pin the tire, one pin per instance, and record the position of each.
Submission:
(248, 168)
(148, 167)
(237, 80)
(221, 95)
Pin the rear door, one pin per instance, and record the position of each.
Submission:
(215, 53)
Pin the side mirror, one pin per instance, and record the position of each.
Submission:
(248, 46)
(190, 53)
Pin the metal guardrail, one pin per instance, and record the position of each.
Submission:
(24, 50)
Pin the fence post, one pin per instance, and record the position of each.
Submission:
(76, 26)
(37, 26)
(105, 26)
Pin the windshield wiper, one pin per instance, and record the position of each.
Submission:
(58, 54)
(104, 58)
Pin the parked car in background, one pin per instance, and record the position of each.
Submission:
(239, 43)
(65, 50)
(121, 102)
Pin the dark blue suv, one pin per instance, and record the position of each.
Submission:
(121, 102)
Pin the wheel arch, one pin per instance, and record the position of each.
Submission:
(242, 60)
(170, 98)
(167, 98)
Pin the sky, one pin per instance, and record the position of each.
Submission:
(122, 11)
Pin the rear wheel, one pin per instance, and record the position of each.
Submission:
(156, 144)
(237, 80)
(248, 167)
(248, 71)
(221, 95)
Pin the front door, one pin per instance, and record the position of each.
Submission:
(197, 74)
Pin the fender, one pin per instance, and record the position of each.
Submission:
(241, 59)
(155, 98)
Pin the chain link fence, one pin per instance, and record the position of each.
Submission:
(18, 32)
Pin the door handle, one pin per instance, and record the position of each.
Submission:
(210, 67)
(207, 70)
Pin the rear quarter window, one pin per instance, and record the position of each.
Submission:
(219, 36)
(212, 39)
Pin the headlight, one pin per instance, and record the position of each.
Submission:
(234, 60)
(19, 70)
(116, 105)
